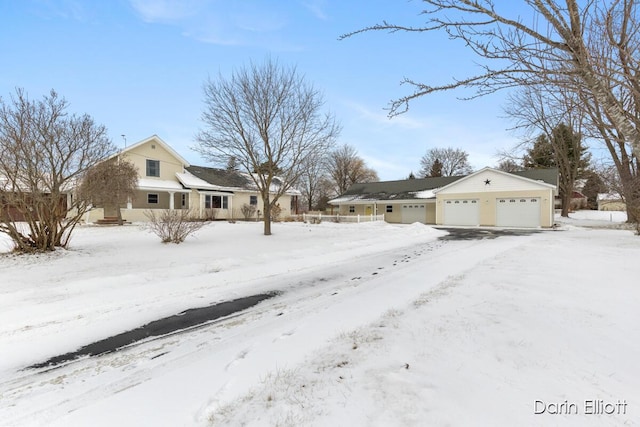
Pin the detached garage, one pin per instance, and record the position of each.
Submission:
(488, 197)
(491, 197)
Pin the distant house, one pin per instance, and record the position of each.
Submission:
(611, 202)
(167, 181)
(578, 201)
(488, 197)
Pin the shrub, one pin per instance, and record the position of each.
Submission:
(275, 212)
(248, 211)
(210, 214)
(172, 226)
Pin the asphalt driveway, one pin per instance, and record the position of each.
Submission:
(484, 233)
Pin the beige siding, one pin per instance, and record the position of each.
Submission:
(395, 216)
(235, 203)
(431, 213)
(488, 201)
(497, 182)
(153, 150)
(140, 201)
(359, 209)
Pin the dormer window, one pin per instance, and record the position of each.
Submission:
(153, 168)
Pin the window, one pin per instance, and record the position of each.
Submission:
(253, 200)
(352, 209)
(153, 167)
(183, 200)
(216, 202)
(389, 208)
(152, 199)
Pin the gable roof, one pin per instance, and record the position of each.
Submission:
(537, 176)
(159, 141)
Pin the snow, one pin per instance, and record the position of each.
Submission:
(159, 184)
(426, 194)
(191, 181)
(376, 325)
(588, 218)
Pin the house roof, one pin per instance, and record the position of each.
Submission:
(546, 175)
(205, 178)
(159, 185)
(425, 188)
(395, 190)
(609, 197)
(220, 178)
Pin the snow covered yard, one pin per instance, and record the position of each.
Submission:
(377, 324)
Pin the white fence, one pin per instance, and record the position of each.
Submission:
(319, 217)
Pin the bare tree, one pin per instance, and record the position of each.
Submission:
(346, 168)
(450, 161)
(590, 48)
(313, 181)
(270, 120)
(509, 165)
(110, 184)
(45, 151)
(559, 119)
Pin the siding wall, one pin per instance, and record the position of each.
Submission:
(169, 165)
(498, 182)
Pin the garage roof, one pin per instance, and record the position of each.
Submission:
(407, 189)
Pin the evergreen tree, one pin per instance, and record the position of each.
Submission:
(436, 168)
(592, 187)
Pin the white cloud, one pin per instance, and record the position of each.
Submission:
(167, 11)
(246, 23)
(66, 9)
(380, 118)
(317, 8)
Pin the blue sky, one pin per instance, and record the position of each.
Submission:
(138, 66)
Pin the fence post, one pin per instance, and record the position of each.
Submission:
(358, 218)
(304, 218)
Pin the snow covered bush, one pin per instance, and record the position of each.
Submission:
(172, 226)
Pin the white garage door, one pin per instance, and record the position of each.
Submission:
(414, 213)
(461, 212)
(518, 212)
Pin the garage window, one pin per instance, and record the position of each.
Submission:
(352, 209)
(389, 208)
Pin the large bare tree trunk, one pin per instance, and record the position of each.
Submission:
(267, 214)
